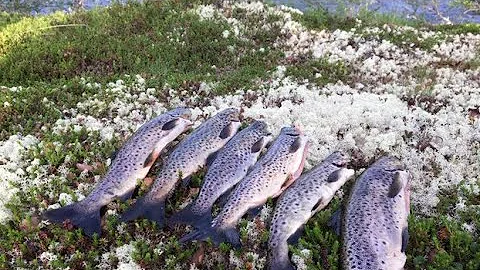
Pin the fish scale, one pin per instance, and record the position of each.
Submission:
(375, 229)
(229, 167)
(272, 174)
(132, 162)
(309, 194)
(187, 158)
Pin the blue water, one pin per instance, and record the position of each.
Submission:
(406, 8)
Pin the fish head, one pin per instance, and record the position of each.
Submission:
(228, 123)
(389, 163)
(338, 162)
(260, 130)
(230, 114)
(181, 112)
(338, 158)
(178, 119)
(294, 146)
(398, 178)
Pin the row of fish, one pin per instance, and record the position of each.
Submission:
(373, 224)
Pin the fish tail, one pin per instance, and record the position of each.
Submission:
(187, 215)
(278, 258)
(215, 234)
(153, 210)
(87, 218)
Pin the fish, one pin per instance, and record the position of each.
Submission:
(229, 167)
(309, 194)
(132, 162)
(194, 152)
(269, 177)
(374, 222)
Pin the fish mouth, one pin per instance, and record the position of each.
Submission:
(340, 164)
(292, 131)
(186, 115)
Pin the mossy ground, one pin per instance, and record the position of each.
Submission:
(48, 55)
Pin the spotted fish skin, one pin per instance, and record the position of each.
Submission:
(132, 162)
(375, 228)
(308, 195)
(229, 167)
(272, 174)
(187, 158)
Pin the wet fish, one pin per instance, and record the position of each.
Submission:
(308, 195)
(132, 162)
(374, 226)
(229, 167)
(269, 177)
(188, 157)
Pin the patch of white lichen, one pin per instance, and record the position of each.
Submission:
(370, 115)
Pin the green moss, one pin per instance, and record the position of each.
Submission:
(156, 39)
(319, 71)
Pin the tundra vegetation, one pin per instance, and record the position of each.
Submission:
(75, 86)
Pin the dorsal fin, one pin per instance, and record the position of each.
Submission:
(170, 124)
(211, 158)
(149, 160)
(404, 239)
(256, 147)
(295, 145)
(315, 208)
(334, 176)
(226, 131)
(396, 186)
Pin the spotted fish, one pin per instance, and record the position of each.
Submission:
(187, 158)
(229, 167)
(308, 195)
(269, 177)
(374, 226)
(132, 162)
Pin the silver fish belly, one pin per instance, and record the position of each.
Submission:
(375, 229)
(280, 166)
(187, 158)
(308, 195)
(132, 162)
(230, 165)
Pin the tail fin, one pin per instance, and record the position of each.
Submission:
(87, 218)
(150, 209)
(278, 258)
(198, 219)
(216, 235)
